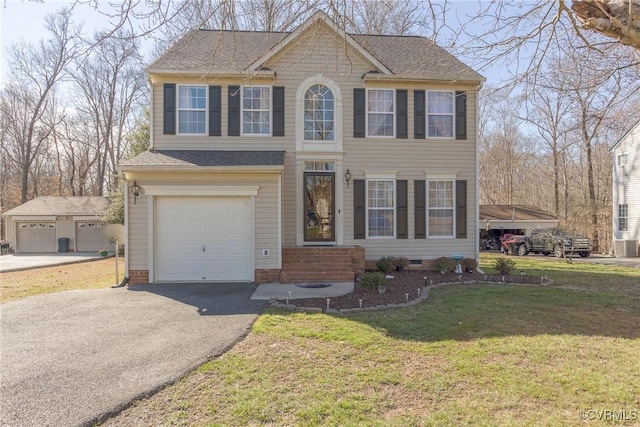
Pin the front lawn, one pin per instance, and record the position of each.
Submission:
(471, 354)
(85, 275)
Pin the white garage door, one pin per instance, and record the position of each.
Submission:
(204, 239)
(89, 237)
(36, 237)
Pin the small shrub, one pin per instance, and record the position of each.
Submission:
(444, 263)
(504, 265)
(400, 262)
(371, 280)
(385, 264)
(469, 263)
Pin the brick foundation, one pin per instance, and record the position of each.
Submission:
(138, 277)
(267, 276)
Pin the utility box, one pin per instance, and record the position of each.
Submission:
(63, 244)
(626, 248)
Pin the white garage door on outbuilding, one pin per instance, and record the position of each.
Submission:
(204, 238)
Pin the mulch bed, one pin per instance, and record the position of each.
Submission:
(406, 286)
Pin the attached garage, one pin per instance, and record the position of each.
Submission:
(36, 236)
(205, 239)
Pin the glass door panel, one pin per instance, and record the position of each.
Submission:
(319, 190)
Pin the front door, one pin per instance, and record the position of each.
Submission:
(319, 207)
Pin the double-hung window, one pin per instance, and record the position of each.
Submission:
(440, 113)
(256, 110)
(623, 165)
(440, 198)
(623, 217)
(380, 112)
(192, 109)
(381, 208)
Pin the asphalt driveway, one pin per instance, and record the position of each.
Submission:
(70, 358)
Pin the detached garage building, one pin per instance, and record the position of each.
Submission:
(497, 220)
(37, 225)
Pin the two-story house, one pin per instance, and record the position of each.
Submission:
(293, 156)
(626, 194)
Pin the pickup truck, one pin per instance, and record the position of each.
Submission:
(556, 241)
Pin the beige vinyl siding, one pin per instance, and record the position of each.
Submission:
(266, 212)
(138, 236)
(410, 158)
(627, 189)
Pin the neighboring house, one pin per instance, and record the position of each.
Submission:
(497, 220)
(626, 194)
(295, 156)
(36, 226)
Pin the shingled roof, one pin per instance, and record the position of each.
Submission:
(62, 205)
(216, 51)
(204, 158)
(511, 212)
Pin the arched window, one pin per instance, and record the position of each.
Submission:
(319, 114)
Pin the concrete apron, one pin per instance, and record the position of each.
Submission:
(282, 291)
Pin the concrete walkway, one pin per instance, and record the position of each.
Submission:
(69, 358)
(17, 262)
(266, 291)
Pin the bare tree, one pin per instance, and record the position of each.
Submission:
(111, 87)
(618, 19)
(35, 71)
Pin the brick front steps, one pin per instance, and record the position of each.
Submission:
(321, 263)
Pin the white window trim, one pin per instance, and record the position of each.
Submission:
(319, 146)
(242, 132)
(206, 109)
(393, 120)
(315, 141)
(381, 177)
(428, 208)
(453, 115)
(621, 217)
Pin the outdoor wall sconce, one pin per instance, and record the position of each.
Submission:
(347, 177)
(135, 190)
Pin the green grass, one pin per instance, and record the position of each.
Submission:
(577, 275)
(470, 355)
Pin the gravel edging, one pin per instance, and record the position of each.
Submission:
(424, 295)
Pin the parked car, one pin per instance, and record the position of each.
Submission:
(559, 242)
(514, 244)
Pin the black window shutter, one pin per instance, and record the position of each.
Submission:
(401, 115)
(419, 197)
(215, 107)
(234, 110)
(278, 111)
(359, 209)
(461, 115)
(359, 112)
(461, 209)
(169, 109)
(402, 202)
(419, 106)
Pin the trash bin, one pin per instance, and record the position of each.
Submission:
(63, 244)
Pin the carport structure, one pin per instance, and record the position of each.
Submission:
(37, 225)
(497, 220)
